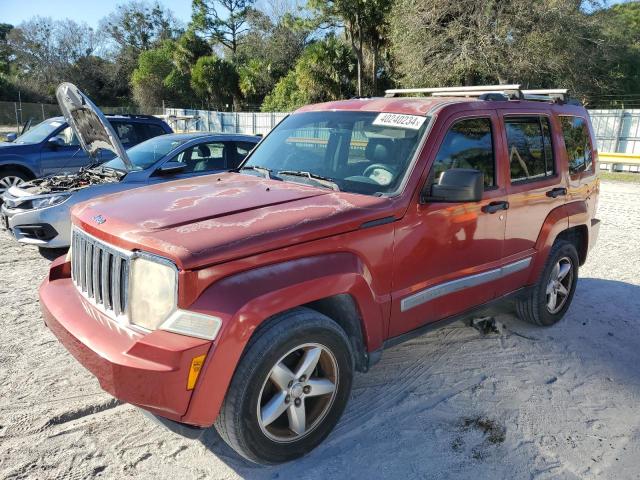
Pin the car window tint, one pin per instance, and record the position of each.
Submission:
(205, 157)
(154, 130)
(530, 149)
(242, 150)
(126, 133)
(468, 144)
(576, 140)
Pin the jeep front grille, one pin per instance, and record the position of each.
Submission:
(100, 272)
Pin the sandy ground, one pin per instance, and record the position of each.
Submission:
(558, 403)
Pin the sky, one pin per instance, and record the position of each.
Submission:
(89, 11)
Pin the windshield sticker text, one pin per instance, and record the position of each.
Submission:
(413, 122)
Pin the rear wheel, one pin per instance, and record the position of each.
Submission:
(551, 296)
(289, 389)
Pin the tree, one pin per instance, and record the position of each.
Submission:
(148, 79)
(365, 26)
(225, 28)
(438, 42)
(5, 50)
(140, 26)
(135, 27)
(323, 73)
(215, 81)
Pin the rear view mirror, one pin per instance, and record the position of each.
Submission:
(170, 168)
(457, 185)
(11, 137)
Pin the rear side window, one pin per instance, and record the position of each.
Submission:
(153, 131)
(468, 144)
(242, 150)
(530, 150)
(576, 140)
(126, 133)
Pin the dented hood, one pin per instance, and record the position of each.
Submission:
(206, 220)
(88, 123)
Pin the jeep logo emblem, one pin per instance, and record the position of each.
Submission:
(99, 219)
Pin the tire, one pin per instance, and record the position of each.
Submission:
(249, 421)
(538, 307)
(10, 177)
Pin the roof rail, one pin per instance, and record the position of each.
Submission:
(512, 91)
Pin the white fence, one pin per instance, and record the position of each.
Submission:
(616, 130)
(251, 123)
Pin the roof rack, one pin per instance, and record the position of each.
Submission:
(486, 92)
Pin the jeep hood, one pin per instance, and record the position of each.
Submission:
(88, 123)
(206, 220)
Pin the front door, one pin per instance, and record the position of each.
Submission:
(67, 156)
(448, 255)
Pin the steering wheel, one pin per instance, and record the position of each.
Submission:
(384, 177)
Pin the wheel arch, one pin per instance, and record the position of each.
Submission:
(335, 285)
(19, 167)
(567, 222)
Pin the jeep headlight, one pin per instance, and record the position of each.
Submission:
(48, 201)
(153, 295)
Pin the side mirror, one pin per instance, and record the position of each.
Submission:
(457, 185)
(11, 137)
(55, 142)
(169, 168)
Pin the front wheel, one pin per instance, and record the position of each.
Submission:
(10, 177)
(289, 389)
(550, 297)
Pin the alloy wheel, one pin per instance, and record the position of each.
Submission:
(298, 393)
(559, 286)
(9, 181)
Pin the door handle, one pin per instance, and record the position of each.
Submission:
(556, 192)
(493, 207)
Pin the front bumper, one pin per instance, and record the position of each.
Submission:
(146, 370)
(47, 227)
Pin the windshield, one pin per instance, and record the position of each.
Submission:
(147, 153)
(40, 132)
(358, 152)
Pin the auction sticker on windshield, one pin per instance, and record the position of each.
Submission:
(413, 122)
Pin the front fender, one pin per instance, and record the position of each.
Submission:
(559, 219)
(244, 301)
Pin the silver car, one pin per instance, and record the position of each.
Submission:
(38, 212)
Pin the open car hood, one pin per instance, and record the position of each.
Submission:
(88, 123)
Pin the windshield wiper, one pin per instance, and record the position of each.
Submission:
(319, 179)
(267, 172)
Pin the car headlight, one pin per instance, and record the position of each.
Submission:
(49, 201)
(153, 292)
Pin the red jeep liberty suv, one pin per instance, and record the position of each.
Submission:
(248, 299)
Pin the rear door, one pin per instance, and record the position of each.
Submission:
(536, 185)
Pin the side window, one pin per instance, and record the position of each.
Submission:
(468, 144)
(530, 149)
(126, 133)
(242, 150)
(68, 137)
(145, 131)
(576, 139)
(205, 157)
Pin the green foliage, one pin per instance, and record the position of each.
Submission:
(225, 28)
(148, 79)
(323, 73)
(543, 44)
(215, 80)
